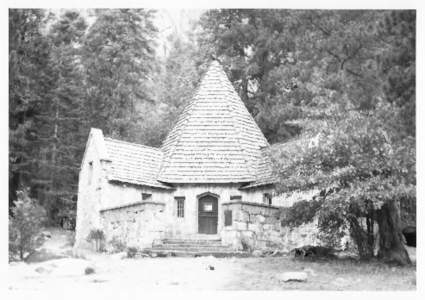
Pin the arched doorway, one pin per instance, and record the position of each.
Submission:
(207, 214)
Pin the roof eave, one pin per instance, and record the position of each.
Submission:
(120, 181)
(257, 185)
(174, 181)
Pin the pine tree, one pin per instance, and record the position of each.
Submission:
(63, 120)
(28, 84)
(174, 85)
(258, 49)
(118, 59)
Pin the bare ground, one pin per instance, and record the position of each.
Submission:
(113, 272)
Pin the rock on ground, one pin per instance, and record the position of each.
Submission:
(293, 276)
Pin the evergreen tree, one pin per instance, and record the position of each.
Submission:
(28, 84)
(118, 58)
(258, 49)
(174, 85)
(63, 130)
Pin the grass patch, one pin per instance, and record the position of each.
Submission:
(325, 274)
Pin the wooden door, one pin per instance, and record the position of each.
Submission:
(207, 215)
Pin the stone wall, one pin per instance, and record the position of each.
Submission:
(103, 205)
(134, 225)
(90, 193)
(258, 226)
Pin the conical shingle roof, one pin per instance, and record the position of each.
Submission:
(215, 139)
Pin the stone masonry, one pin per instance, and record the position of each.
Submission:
(258, 227)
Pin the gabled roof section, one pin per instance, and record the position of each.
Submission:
(134, 163)
(264, 170)
(215, 139)
(97, 140)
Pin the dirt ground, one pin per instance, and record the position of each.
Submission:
(112, 272)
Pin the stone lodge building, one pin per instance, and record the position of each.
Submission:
(212, 177)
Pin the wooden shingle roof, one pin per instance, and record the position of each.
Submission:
(133, 163)
(215, 139)
(264, 170)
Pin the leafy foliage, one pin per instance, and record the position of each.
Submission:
(25, 225)
(300, 213)
(132, 252)
(98, 236)
(365, 149)
(337, 75)
(117, 244)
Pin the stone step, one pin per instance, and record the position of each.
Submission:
(191, 241)
(187, 243)
(191, 248)
(185, 253)
(191, 245)
(194, 250)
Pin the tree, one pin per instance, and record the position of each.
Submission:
(118, 58)
(174, 85)
(25, 225)
(62, 130)
(370, 170)
(361, 147)
(258, 50)
(336, 78)
(28, 83)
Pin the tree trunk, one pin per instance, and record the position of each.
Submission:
(391, 248)
(360, 238)
(21, 254)
(370, 233)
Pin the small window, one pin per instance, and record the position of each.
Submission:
(267, 199)
(208, 206)
(90, 175)
(235, 197)
(180, 207)
(146, 196)
(227, 218)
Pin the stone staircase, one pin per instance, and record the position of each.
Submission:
(193, 247)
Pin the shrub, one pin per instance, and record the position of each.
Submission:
(300, 213)
(246, 244)
(132, 252)
(98, 237)
(117, 244)
(314, 252)
(25, 225)
(89, 270)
